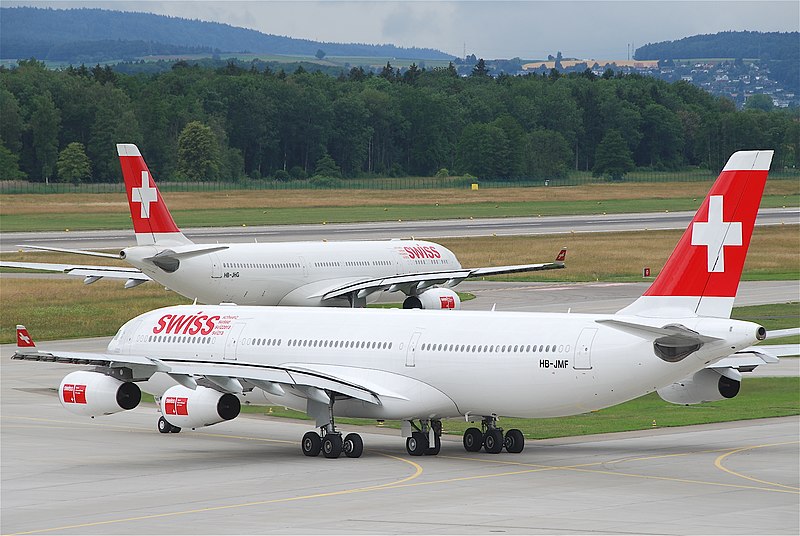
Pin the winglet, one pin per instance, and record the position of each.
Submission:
(562, 255)
(24, 340)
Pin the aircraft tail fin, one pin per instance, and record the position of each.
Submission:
(152, 222)
(702, 274)
(24, 340)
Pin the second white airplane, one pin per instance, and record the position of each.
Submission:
(288, 273)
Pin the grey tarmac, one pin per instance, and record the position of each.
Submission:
(433, 229)
(64, 474)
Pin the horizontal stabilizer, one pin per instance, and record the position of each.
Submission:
(186, 253)
(75, 251)
(776, 333)
(677, 333)
(746, 359)
(92, 272)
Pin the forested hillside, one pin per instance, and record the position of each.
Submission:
(62, 34)
(200, 123)
(730, 45)
(779, 52)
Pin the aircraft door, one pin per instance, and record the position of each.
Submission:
(411, 351)
(216, 266)
(130, 334)
(583, 349)
(232, 342)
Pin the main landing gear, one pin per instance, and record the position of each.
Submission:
(166, 428)
(329, 440)
(419, 443)
(492, 439)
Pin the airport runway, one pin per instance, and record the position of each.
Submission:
(395, 229)
(116, 475)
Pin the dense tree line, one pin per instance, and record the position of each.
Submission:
(228, 123)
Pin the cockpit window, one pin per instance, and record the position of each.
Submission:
(118, 336)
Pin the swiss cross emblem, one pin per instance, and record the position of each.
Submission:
(715, 234)
(145, 195)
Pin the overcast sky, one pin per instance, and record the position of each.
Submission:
(528, 29)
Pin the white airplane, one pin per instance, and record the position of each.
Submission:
(420, 367)
(290, 273)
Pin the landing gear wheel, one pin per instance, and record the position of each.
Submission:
(514, 441)
(332, 445)
(311, 444)
(493, 442)
(165, 427)
(434, 450)
(417, 444)
(473, 440)
(353, 446)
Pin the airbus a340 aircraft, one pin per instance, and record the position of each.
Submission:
(421, 366)
(289, 273)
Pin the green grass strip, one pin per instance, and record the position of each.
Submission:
(276, 216)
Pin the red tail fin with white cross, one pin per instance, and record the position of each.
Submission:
(702, 275)
(152, 222)
(23, 339)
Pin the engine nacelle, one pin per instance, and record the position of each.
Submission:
(433, 298)
(707, 385)
(92, 393)
(187, 408)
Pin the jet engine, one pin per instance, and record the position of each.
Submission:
(433, 298)
(707, 385)
(92, 393)
(187, 408)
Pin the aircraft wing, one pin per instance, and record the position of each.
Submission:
(404, 282)
(514, 269)
(89, 273)
(311, 383)
(409, 283)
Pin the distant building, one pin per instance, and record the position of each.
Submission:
(566, 64)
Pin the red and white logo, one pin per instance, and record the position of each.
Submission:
(148, 210)
(23, 339)
(715, 234)
(447, 302)
(709, 257)
(74, 393)
(176, 405)
(144, 195)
